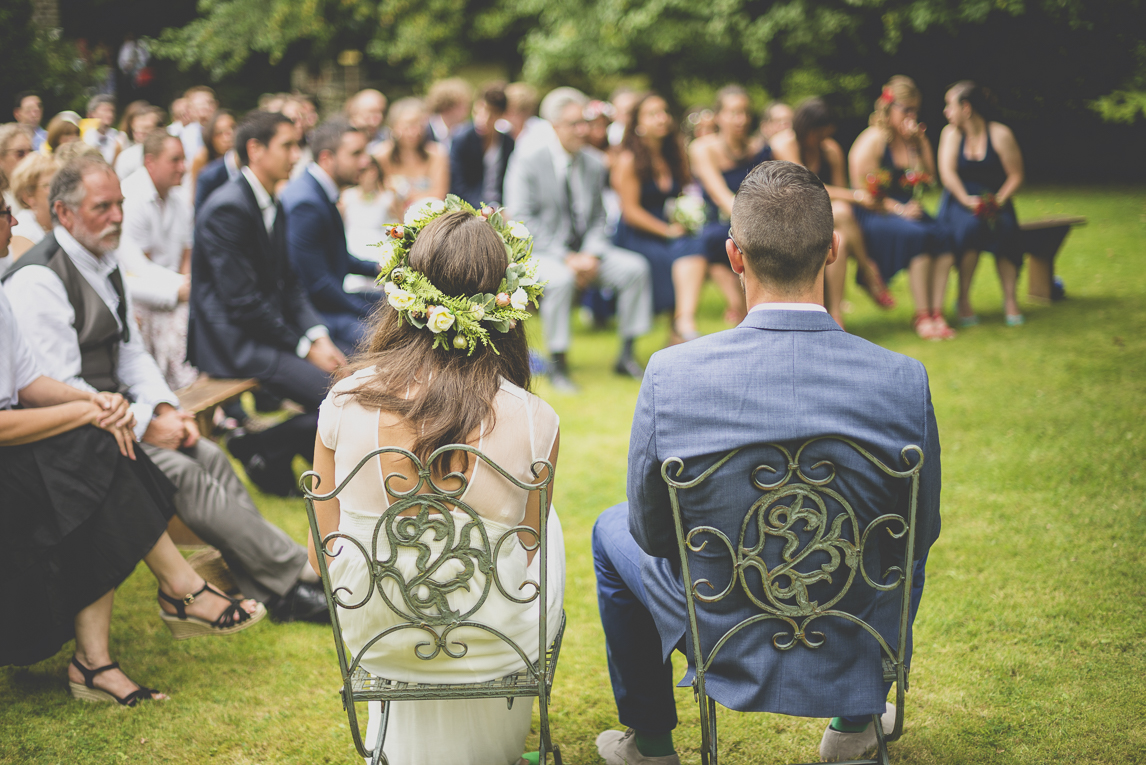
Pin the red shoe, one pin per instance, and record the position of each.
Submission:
(942, 330)
(873, 283)
(924, 326)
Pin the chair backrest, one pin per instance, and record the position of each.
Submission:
(800, 546)
(442, 520)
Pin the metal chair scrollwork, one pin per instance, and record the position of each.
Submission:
(806, 517)
(420, 519)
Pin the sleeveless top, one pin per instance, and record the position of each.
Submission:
(733, 177)
(897, 191)
(979, 175)
(653, 199)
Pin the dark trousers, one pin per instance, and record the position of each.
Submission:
(642, 683)
(347, 330)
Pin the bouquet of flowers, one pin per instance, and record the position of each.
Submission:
(988, 208)
(917, 182)
(878, 184)
(687, 210)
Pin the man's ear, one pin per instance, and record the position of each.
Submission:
(63, 214)
(834, 251)
(735, 256)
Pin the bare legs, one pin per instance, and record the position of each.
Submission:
(967, 268)
(733, 291)
(687, 280)
(1008, 278)
(927, 280)
(851, 245)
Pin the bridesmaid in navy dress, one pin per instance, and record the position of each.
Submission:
(977, 157)
(899, 233)
(651, 169)
(810, 143)
(721, 162)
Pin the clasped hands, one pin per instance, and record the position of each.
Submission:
(171, 428)
(112, 412)
(584, 267)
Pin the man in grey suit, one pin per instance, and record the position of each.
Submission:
(554, 188)
(785, 375)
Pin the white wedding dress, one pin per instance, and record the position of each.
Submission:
(474, 732)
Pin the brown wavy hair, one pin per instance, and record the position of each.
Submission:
(898, 89)
(672, 147)
(450, 394)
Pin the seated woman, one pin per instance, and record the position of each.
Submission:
(64, 128)
(411, 394)
(366, 209)
(898, 232)
(218, 139)
(31, 183)
(651, 169)
(413, 167)
(721, 161)
(978, 157)
(81, 508)
(809, 143)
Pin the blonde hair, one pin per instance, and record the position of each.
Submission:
(28, 174)
(899, 89)
(73, 149)
(445, 94)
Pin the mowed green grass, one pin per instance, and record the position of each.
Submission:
(1029, 643)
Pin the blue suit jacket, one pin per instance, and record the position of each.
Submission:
(316, 244)
(779, 377)
(212, 176)
(467, 165)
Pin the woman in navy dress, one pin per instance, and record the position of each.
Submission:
(652, 168)
(899, 233)
(978, 157)
(809, 142)
(721, 162)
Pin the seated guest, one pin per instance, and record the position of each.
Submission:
(980, 157)
(15, 144)
(521, 104)
(366, 209)
(780, 375)
(68, 294)
(137, 126)
(101, 134)
(157, 255)
(413, 166)
(30, 185)
(449, 103)
(897, 231)
(480, 152)
(404, 396)
(82, 508)
(29, 112)
(218, 139)
(720, 162)
(776, 118)
(316, 237)
(809, 143)
(554, 188)
(366, 111)
(250, 316)
(62, 129)
(214, 174)
(651, 169)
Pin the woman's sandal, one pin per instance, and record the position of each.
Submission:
(940, 327)
(924, 326)
(873, 283)
(233, 619)
(87, 691)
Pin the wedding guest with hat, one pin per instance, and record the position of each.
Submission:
(479, 152)
(29, 112)
(63, 128)
(414, 166)
(981, 167)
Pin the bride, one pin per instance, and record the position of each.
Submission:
(443, 368)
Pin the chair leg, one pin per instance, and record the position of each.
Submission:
(378, 758)
(706, 738)
(881, 752)
(712, 730)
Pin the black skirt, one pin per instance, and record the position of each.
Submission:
(75, 518)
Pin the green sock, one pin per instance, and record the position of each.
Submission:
(844, 727)
(659, 745)
(533, 758)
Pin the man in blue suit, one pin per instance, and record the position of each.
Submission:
(316, 237)
(787, 374)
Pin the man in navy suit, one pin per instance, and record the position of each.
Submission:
(479, 153)
(787, 374)
(316, 237)
(250, 316)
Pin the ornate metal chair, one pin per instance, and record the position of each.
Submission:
(780, 591)
(422, 601)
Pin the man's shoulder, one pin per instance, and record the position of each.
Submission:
(230, 194)
(302, 189)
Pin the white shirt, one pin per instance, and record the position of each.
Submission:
(45, 317)
(787, 307)
(129, 160)
(18, 368)
(263, 198)
(156, 232)
(192, 137)
(28, 227)
(107, 143)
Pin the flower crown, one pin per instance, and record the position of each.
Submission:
(458, 322)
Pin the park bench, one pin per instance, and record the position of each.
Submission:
(799, 534)
(421, 603)
(1042, 238)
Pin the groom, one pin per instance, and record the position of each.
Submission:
(786, 374)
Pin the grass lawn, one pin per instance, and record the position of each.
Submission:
(1030, 642)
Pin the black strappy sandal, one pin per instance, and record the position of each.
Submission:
(87, 691)
(233, 619)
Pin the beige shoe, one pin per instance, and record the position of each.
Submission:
(837, 745)
(618, 748)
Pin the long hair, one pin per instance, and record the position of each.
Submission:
(898, 89)
(212, 126)
(442, 394)
(672, 147)
(397, 110)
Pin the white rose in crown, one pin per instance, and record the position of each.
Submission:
(398, 297)
(424, 209)
(385, 252)
(440, 320)
(519, 300)
(519, 230)
(478, 311)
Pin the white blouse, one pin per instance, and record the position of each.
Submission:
(17, 364)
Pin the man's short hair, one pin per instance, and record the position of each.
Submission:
(259, 126)
(156, 142)
(522, 98)
(68, 182)
(103, 98)
(493, 94)
(448, 93)
(328, 135)
(557, 99)
(199, 89)
(25, 94)
(782, 222)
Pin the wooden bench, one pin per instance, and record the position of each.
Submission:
(1042, 239)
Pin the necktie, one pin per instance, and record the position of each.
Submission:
(121, 310)
(573, 241)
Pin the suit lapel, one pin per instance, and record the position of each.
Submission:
(264, 238)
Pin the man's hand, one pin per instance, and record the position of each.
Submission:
(116, 411)
(325, 355)
(191, 437)
(167, 429)
(584, 267)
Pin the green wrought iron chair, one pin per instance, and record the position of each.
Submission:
(423, 601)
(784, 596)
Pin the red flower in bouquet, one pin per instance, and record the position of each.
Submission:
(988, 208)
(917, 181)
(878, 184)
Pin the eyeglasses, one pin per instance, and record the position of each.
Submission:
(7, 214)
(734, 244)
